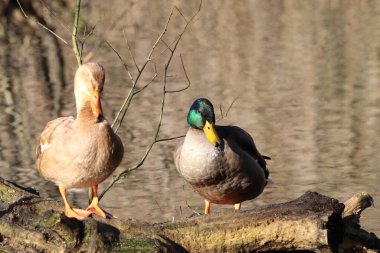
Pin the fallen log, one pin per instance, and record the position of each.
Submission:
(311, 223)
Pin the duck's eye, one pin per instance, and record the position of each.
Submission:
(208, 128)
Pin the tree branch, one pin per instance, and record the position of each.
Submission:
(155, 140)
(124, 107)
(85, 36)
(187, 78)
(147, 84)
(42, 25)
(130, 51)
(74, 35)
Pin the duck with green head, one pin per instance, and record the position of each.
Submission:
(222, 163)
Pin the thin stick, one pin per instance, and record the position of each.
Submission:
(42, 25)
(147, 84)
(54, 14)
(74, 35)
(229, 108)
(181, 14)
(85, 36)
(147, 151)
(124, 63)
(130, 51)
(170, 138)
(164, 92)
(192, 210)
(123, 109)
(187, 78)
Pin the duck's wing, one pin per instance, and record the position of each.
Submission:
(245, 142)
(53, 130)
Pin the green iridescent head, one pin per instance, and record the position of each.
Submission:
(200, 112)
(201, 116)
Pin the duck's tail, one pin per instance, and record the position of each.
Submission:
(266, 157)
(266, 170)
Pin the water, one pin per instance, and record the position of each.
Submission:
(306, 75)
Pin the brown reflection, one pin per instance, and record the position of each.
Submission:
(31, 89)
(307, 73)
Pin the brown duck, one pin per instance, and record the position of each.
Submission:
(81, 152)
(222, 163)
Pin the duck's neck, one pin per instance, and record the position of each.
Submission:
(86, 116)
(198, 136)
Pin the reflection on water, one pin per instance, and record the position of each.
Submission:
(306, 72)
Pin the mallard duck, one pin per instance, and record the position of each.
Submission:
(221, 163)
(81, 152)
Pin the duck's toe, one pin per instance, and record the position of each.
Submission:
(94, 208)
(76, 213)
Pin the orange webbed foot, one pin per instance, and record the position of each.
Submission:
(94, 208)
(76, 213)
(70, 212)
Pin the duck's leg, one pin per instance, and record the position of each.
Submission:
(71, 212)
(237, 206)
(207, 206)
(94, 206)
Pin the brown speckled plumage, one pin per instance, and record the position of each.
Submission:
(80, 152)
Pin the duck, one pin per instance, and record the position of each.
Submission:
(81, 152)
(221, 163)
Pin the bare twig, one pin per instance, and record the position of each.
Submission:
(77, 53)
(54, 14)
(147, 84)
(85, 36)
(121, 59)
(193, 212)
(42, 25)
(100, 36)
(187, 78)
(179, 11)
(168, 47)
(147, 151)
(130, 51)
(123, 109)
(164, 50)
(228, 109)
(164, 92)
(221, 111)
(170, 138)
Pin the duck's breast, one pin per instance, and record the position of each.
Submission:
(198, 161)
(78, 157)
(224, 175)
(100, 155)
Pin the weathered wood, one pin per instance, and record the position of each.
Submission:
(296, 225)
(311, 223)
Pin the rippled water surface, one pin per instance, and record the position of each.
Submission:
(306, 74)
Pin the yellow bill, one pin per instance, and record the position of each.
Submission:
(211, 135)
(96, 107)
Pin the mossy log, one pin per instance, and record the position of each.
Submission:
(311, 223)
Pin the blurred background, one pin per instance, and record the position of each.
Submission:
(306, 74)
